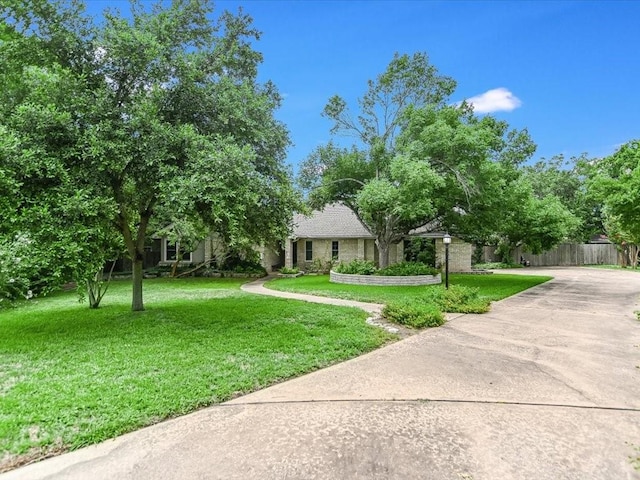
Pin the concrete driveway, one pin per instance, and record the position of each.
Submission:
(545, 386)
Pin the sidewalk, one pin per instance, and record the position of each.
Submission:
(258, 287)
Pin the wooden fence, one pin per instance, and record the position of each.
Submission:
(566, 254)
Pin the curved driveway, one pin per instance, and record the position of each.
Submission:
(545, 386)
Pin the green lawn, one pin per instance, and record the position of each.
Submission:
(71, 376)
(492, 287)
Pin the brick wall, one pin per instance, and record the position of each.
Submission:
(352, 248)
(381, 280)
(459, 255)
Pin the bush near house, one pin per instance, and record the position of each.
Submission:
(289, 271)
(402, 269)
(407, 269)
(356, 267)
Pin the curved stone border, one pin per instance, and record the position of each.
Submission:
(381, 280)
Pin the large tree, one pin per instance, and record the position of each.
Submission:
(566, 180)
(158, 112)
(55, 229)
(418, 160)
(615, 181)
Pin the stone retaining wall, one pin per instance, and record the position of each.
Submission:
(384, 280)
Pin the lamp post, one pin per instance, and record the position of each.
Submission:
(446, 239)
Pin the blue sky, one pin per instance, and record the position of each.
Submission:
(567, 71)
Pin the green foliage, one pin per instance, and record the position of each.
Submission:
(17, 270)
(407, 268)
(111, 125)
(81, 376)
(289, 271)
(356, 267)
(418, 159)
(318, 265)
(426, 310)
(496, 265)
(615, 182)
(421, 250)
(536, 224)
(367, 267)
(566, 180)
(249, 264)
(416, 315)
(462, 299)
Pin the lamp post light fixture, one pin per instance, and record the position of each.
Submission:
(446, 239)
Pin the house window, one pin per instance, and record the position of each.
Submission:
(172, 248)
(308, 250)
(335, 250)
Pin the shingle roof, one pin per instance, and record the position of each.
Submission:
(334, 221)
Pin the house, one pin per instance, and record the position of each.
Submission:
(336, 233)
(332, 234)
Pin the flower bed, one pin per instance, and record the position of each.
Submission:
(353, 279)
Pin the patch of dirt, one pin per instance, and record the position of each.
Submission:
(11, 461)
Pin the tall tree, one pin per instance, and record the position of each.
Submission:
(566, 180)
(615, 181)
(164, 113)
(418, 161)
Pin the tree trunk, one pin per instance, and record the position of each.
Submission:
(136, 304)
(383, 254)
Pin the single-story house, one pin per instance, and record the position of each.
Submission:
(336, 233)
(332, 234)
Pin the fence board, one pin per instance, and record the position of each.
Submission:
(567, 254)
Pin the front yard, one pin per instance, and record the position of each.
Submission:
(491, 287)
(71, 376)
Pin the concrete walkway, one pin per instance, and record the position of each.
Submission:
(257, 286)
(374, 309)
(545, 386)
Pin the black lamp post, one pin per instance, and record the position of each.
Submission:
(446, 239)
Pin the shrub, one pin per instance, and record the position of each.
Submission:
(356, 267)
(421, 250)
(250, 269)
(408, 268)
(496, 265)
(461, 299)
(289, 271)
(319, 266)
(416, 315)
(17, 270)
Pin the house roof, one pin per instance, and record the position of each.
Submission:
(338, 221)
(334, 221)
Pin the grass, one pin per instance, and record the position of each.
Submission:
(491, 287)
(71, 376)
(614, 267)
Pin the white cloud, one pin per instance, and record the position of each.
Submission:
(495, 100)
